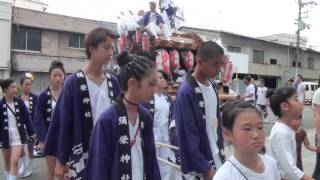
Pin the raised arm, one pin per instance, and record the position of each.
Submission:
(308, 145)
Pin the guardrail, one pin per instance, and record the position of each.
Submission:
(176, 169)
(166, 145)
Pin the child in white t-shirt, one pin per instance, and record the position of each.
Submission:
(285, 104)
(243, 126)
(262, 100)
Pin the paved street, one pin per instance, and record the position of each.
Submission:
(39, 169)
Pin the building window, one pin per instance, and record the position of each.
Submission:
(307, 87)
(76, 40)
(234, 49)
(293, 63)
(310, 63)
(273, 61)
(258, 56)
(299, 64)
(26, 39)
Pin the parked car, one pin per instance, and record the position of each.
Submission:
(310, 88)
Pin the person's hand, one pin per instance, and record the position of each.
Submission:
(210, 174)
(316, 114)
(61, 171)
(305, 177)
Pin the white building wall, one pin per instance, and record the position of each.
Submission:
(5, 34)
(31, 4)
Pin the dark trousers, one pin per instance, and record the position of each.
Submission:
(263, 110)
(171, 15)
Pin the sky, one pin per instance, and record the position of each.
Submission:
(253, 18)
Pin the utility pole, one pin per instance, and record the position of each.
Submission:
(298, 36)
(301, 26)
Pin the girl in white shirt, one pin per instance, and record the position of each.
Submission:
(243, 126)
(30, 101)
(15, 128)
(162, 115)
(285, 104)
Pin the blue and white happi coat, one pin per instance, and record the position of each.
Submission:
(32, 105)
(71, 127)
(110, 151)
(22, 118)
(43, 114)
(189, 114)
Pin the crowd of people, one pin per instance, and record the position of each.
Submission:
(95, 125)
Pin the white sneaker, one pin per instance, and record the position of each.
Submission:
(26, 167)
(28, 171)
(37, 152)
(22, 166)
(21, 171)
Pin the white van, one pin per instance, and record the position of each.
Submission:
(310, 88)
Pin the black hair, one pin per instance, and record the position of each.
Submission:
(5, 84)
(132, 66)
(248, 78)
(209, 50)
(96, 36)
(56, 65)
(299, 75)
(165, 76)
(278, 96)
(234, 108)
(290, 80)
(225, 89)
(24, 78)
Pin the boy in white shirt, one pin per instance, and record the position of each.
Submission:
(285, 104)
(249, 95)
(262, 100)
